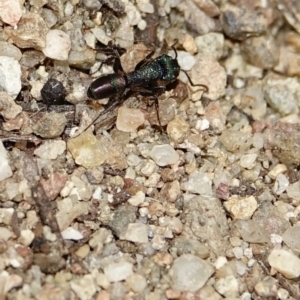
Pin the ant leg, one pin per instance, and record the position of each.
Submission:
(206, 89)
(159, 89)
(109, 108)
(145, 60)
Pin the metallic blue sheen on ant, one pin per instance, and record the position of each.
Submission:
(150, 77)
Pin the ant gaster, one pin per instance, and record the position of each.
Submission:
(150, 77)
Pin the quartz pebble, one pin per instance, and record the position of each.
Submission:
(58, 45)
(100, 35)
(164, 155)
(118, 271)
(291, 237)
(5, 170)
(136, 282)
(281, 184)
(248, 160)
(51, 149)
(241, 208)
(26, 237)
(87, 150)
(7, 49)
(192, 184)
(281, 99)
(190, 273)
(227, 286)
(285, 262)
(6, 215)
(129, 119)
(10, 76)
(186, 61)
(135, 232)
(71, 234)
(84, 287)
(10, 11)
(252, 232)
(212, 43)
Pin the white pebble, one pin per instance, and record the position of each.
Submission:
(164, 155)
(142, 25)
(248, 160)
(281, 184)
(137, 199)
(135, 232)
(51, 149)
(146, 8)
(10, 76)
(186, 61)
(118, 271)
(26, 237)
(5, 169)
(129, 119)
(100, 35)
(71, 234)
(190, 273)
(58, 45)
(285, 262)
(227, 286)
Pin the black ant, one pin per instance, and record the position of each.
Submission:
(150, 77)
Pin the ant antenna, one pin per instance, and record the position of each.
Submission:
(206, 89)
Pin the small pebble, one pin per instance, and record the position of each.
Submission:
(227, 286)
(135, 232)
(278, 169)
(146, 7)
(267, 288)
(192, 184)
(10, 76)
(248, 160)
(186, 61)
(281, 184)
(164, 155)
(7, 49)
(129, 119)
(137, 199)
(58, 45)
(71, 234)
(190, 273)
(5, 170)
(26, 237)
(281, 99)
(136, 282)
(84, 287)
(87, 150)
(51, 125)
(6, 215)
(118, 271)
(241, 208)
(285, 262)
(50, 149)
(10, 12)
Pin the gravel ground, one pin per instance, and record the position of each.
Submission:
(205, 206)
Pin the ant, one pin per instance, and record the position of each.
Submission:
(150, 77)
